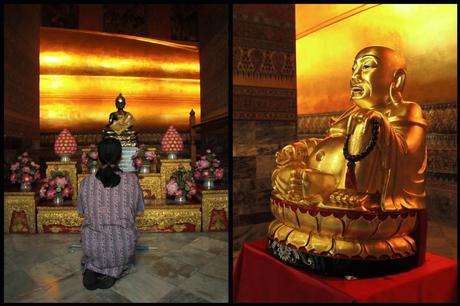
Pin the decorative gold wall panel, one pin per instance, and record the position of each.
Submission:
(424, 33)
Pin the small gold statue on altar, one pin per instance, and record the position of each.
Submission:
(120, 125)
(355, 194)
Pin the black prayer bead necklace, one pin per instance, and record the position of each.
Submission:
(352, 159)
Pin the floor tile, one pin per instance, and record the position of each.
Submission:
(217, 267)
(171, 270)
(44, 269)
(142, 286)
(207, 287)
(17, 283)
(181, 296)
(208, 244)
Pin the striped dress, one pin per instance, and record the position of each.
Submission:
(109, 231)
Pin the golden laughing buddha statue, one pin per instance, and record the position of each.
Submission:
(355, 196)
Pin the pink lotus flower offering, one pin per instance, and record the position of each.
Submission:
(172, 142)
(24, 170)
(208, 167)
(143, 157)
(181, 183)
(90, 158)
(58, 185)
(65, 144)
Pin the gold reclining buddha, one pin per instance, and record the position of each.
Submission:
(355, 192)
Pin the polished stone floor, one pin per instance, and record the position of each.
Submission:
(185, 267)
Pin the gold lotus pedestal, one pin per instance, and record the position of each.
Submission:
(19, 212)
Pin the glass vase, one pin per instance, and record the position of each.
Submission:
(180, 199)
(172, 155)
(65, 158)
(208, 183)
(145, 168)
(93, 170)
(58, 199)
(25, 187)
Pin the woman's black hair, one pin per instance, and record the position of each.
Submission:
(109, 153)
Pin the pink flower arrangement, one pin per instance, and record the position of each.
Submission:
(181, 183)
(143, 156)
(24, 170)
(90, 159)
(58, 185)
(208, 166)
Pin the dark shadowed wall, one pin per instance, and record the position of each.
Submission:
(264, 109)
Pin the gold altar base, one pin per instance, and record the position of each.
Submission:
(214, 208)
(158, 216)
(208, 212)
(337, 233)
(19, 212)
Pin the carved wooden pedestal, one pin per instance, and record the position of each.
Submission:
(19, 212)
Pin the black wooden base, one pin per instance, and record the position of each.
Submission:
(339, 266)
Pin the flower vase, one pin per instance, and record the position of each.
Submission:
(180, 199)
(58, 199)
(93, 170)
(145, 168)
(172, 155)
(65, 158)
(25, 187)
(208, 183)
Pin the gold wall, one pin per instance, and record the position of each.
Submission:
(328, 36)
(82, 72)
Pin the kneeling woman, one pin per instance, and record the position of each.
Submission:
(109, 202)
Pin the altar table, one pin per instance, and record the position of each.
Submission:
(258, 277)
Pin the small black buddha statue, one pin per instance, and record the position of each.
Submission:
(120, 125)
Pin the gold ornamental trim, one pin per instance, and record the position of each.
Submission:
(378, 235)
(174, 217)
(57, 216)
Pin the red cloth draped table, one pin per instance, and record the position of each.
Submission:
(258, 277)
